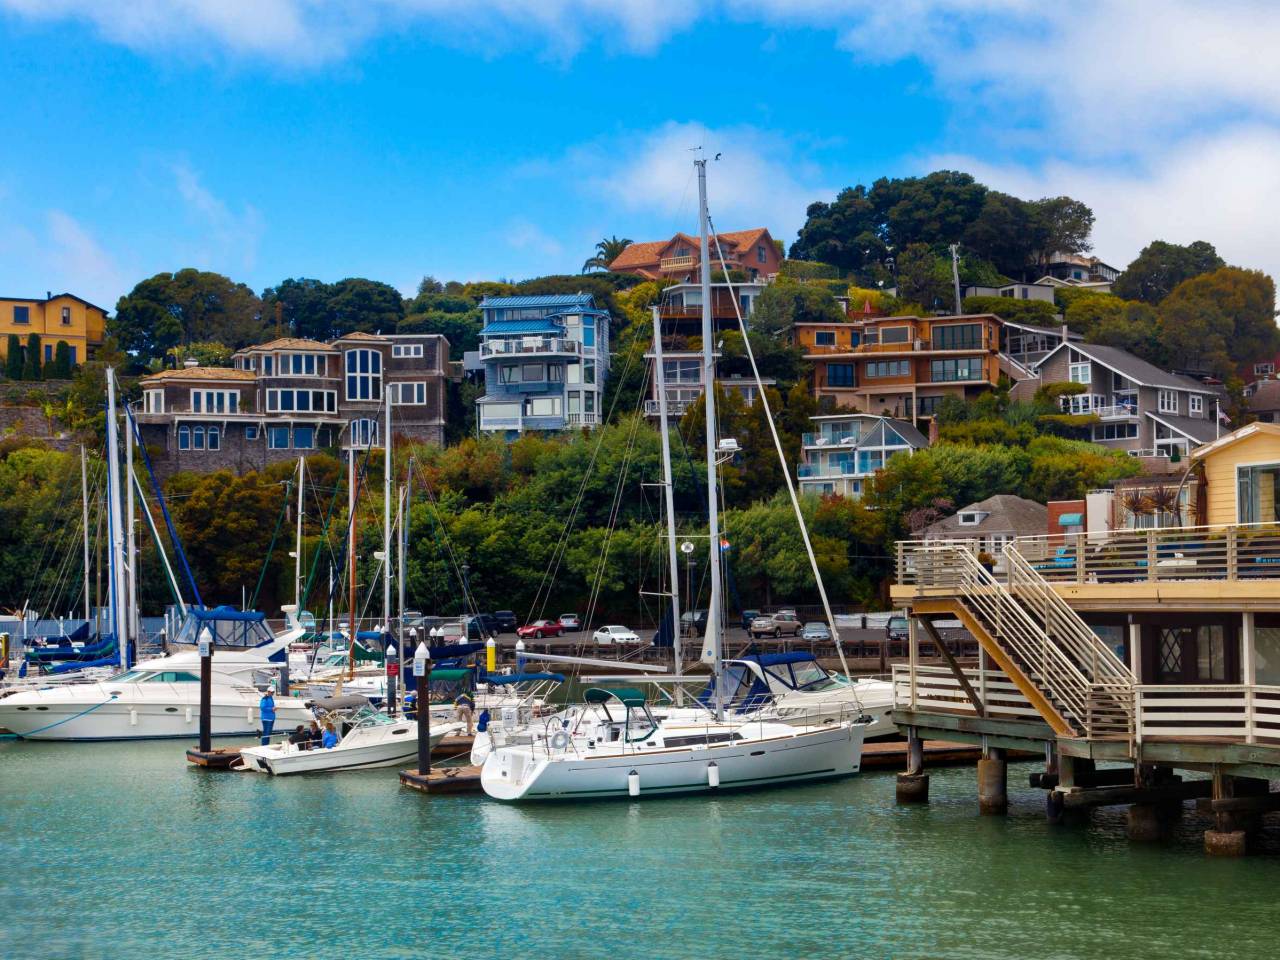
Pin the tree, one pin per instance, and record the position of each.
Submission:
(31, 360)
(1162, 266)
(933, 210)
(1006, 232)
(61, 369)
(1036, 312)
(13, 358)
(302, 305)
(1114, 322)
(1215, 321)
(1060, 225)
(607, 251)
(923, 278)
(845, 233)
(784, 303)
(190, 305)
(207, 353)
(368, 306)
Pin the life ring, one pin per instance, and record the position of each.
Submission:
(559, 740)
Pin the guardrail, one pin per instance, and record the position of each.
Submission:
(675, 408)
(529, 346)
(1246, 714)
(936, 688)
(1229, 552)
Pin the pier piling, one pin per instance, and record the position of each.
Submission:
(993, 788)
(913, 786)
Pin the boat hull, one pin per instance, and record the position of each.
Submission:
(390, 750)
(518, 774)
(119, 719)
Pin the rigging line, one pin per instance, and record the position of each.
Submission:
(468, 601)
(266, 561)
(164, 509)
(48, 544)
(324, 532)
(782, 460)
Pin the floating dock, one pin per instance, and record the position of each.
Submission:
(443, 780)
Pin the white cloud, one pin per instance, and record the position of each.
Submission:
(759, 180)
(221, 237)
(58, 253)
(529, 237)
(1223, 188)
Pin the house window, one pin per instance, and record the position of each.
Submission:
(944, 371)
(278, 438)
(251, 431)
(1081, 373)
(197, 438)
(184, 438)
(304, 438)
(71, 351)
(66, 316)
(543, 406)
(970, 519)
(48, 353)
(215, 438)
(588, 371)
(1263, 369)
(825, 338)
(1168, 401)
(21, 314)
(888, 368)
(153, 401)
(364, 433)
(1197, 403)
(364, 375)
(408, 393)
(268, 365)
(958, 336)
(895, 334)
(215, 401)
(589, 402)
(928, 406)
(840, 375)
(406, 350)
(761, 255)
(1115, 431)
(533, 372)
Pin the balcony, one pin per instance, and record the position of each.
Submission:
(583, 419)
(829, 439)
(1105, 408)
(530, 347)
(674, 264)
(835, 471)
(675, 408)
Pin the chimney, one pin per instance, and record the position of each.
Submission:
(933, 430)
(48, 294)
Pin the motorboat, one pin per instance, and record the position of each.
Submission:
(616, 747)
(368, 739)
(796, 689)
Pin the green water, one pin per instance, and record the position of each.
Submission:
(121, 850)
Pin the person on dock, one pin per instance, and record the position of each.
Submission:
(267, 713)
(464, 709)
(330, 737)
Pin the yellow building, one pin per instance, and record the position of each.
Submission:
(1242, 475)
(64, 317)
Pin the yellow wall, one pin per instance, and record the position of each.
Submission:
(1220, 472)
(84, 332)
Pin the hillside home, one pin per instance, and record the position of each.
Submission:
(844, 451)
(752, 252)
(56, 318)
(992, 523)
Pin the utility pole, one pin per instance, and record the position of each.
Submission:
(955, 274)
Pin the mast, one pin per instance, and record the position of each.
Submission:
(297, 565)
(386, 518)
(351, 560)
(115, 533)
(711, 651)
(673, 573)
(84, 519)
(130, 539)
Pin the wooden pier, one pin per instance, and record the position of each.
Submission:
(443, 780)
(219, 758)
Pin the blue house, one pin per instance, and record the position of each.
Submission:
(545, 361)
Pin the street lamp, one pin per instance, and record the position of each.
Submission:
(422, 680)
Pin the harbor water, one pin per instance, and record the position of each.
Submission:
(121, 850)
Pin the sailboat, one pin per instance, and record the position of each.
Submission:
(616, 746)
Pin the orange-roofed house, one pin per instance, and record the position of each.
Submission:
(751, 251)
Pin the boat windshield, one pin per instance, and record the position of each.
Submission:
(805, 675)
(131, 676)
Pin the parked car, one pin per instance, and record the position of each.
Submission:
(506, 621)
(693, 621)
(615, 634)
(747, 617)
(482, 625)
(540, 629)
(776, 624)
(815, 630)
(570, 621)
(896, 629)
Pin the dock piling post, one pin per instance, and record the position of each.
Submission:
(993, 788)
(913, 786)
(205, 646)
(422, 702)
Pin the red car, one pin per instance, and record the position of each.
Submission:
(539, 629)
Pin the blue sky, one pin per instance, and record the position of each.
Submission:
(501, 138)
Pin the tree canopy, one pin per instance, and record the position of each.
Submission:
(190, 305)
(1162, 266)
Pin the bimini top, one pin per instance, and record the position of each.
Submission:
(773, 659)
(229, 614)
(627, 696)
(505, 679)
(349, 701)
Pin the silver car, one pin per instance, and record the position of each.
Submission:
(776, 624)
(815, 630)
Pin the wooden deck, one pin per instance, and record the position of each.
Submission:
(444, 780)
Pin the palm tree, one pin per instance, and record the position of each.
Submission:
(607, 251)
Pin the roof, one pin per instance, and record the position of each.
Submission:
(55, 296)
(539, 300)
(1048, 331)
(291, 343)
(650, 251)
(201, 373)
(361, 335)
(507, 327)
(1265, 395)
(1235, 436)
(908, 431)
(1199, 430)
(1006, 513)
(1134, 368)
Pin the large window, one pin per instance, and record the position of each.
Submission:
(299, 364)
(965, 368)
(364, 375)
(928, 406)
(184, 438)
(406, 350)
(153, 401)
(278, 438)
(841, 375)
(1115, 431)
(21, 314)
(544, 406)
(675, 371)
(304, 438)
(824, 338)
(888, 368)
(895, 334)
(302, 401)
(1258, 493)
(408, 393)
(363, 433)
(958, 336)
(1080, 372)
(215, 401)
(1167, 401)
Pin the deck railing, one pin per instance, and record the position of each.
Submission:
(936, 688)
(1234, 712)
(1230, 553)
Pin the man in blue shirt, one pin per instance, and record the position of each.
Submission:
(267, 712)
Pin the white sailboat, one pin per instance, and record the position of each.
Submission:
(615, 746)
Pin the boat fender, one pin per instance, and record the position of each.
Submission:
(633, 783)
(559, 740)
(188, 714)
(713, 774)
(133, 718)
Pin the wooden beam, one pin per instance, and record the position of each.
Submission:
(958, 673)
(1258, 804)
(1112, 796)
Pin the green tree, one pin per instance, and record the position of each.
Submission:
(31, 359)
(302, 305)
(1218, 320)
(1162, 266)
(1061, 225)
(13, 358)
(934, 209)
(1038, 312)
(367, 306)
(180, 308)
(61, 369)
(208, 353)
(846, 233)
(923, 277)
(784, 303)
(607, 251)
(1006, 233)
